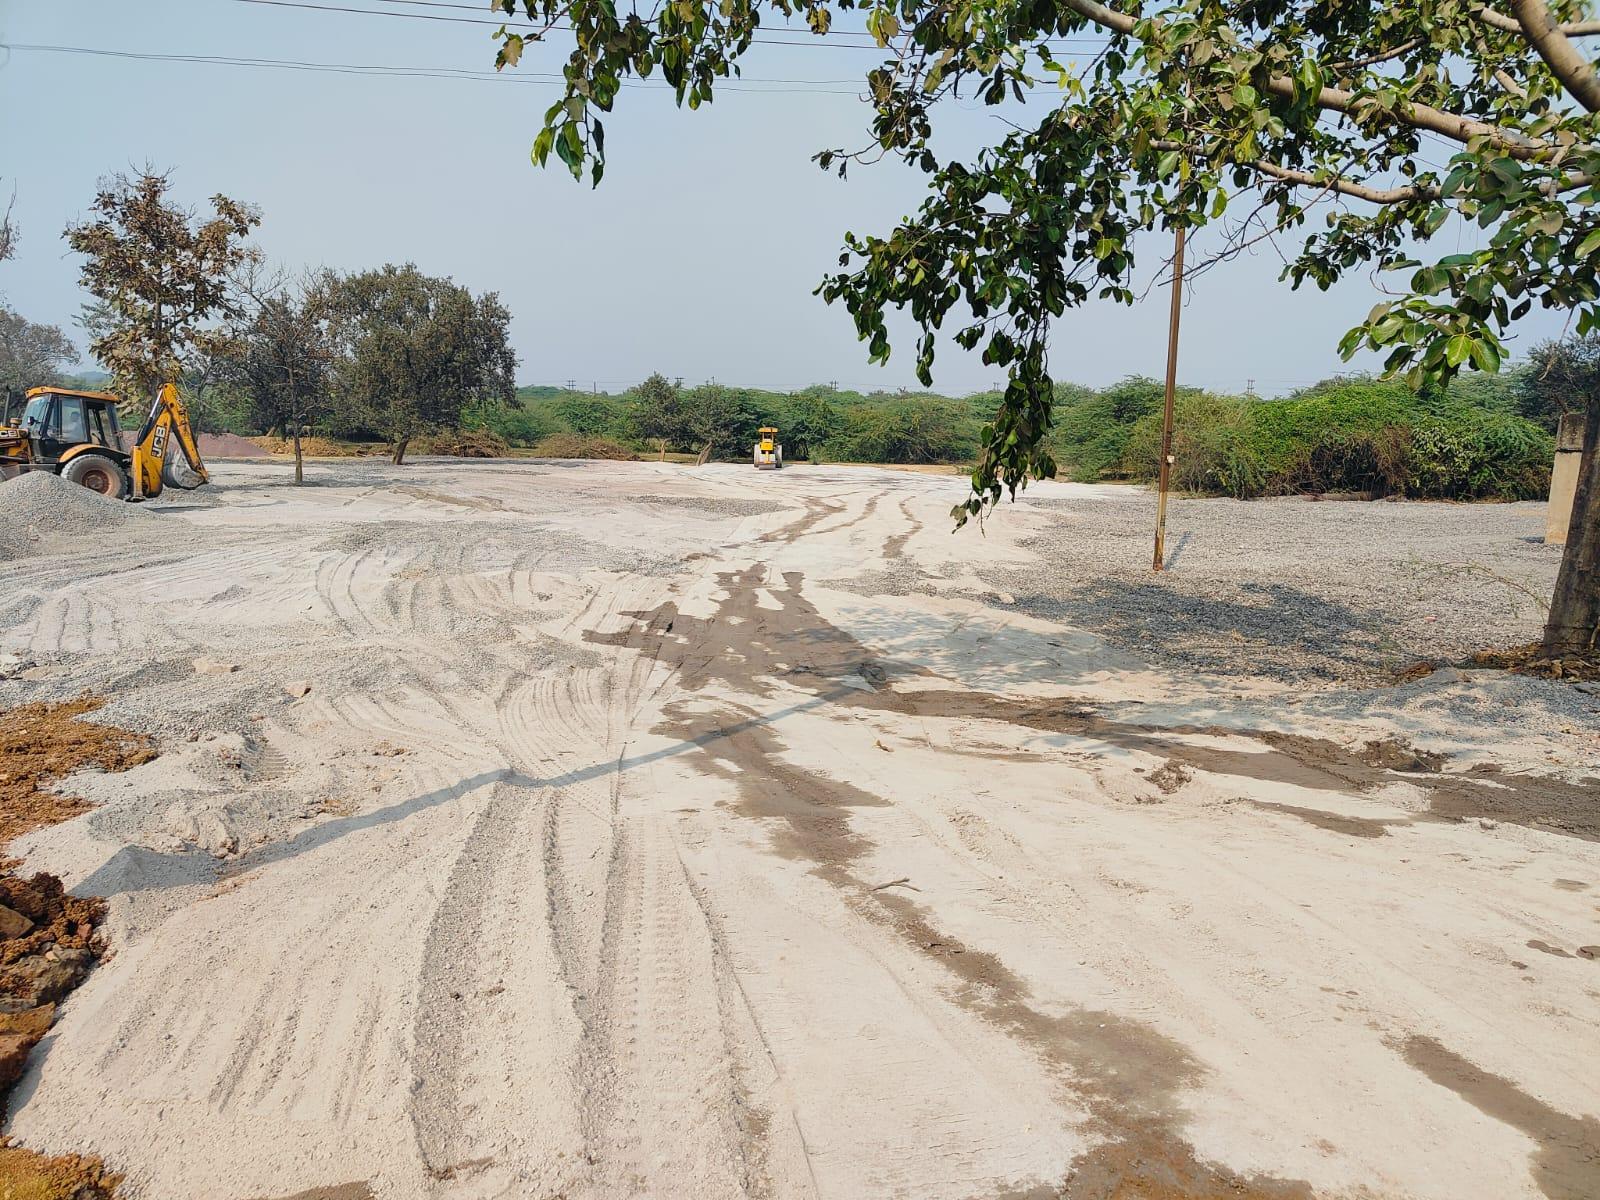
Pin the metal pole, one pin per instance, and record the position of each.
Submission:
(1165, 479)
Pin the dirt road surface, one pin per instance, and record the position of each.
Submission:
(624, 829)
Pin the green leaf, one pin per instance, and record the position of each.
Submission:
(542, 144)
(1458, 349)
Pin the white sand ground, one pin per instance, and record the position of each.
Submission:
(622, 847)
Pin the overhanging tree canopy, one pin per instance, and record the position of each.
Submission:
(1250, 116)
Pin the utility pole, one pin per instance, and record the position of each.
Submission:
(1164, 481)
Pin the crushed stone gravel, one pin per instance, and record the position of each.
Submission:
(1296, 590)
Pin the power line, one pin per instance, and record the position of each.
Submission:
(815, 40)
(812, 43)
(382, 71)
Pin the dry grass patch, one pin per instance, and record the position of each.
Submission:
(575, 445)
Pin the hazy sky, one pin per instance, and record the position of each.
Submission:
(696, 257)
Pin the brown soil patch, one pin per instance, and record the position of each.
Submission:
(47, 937)
(40, 743)
(25, 1175)
(229, 445)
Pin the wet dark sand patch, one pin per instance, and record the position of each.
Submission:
(1566, 1165)
(816, 512)
(1363, 827)
(1536, 801)
(1126, 1074)
(867, 509)
(895, 547)
(1546, 948)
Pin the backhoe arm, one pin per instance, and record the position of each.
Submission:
(154, 462)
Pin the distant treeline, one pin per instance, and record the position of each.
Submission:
(819, 423)
(1482, 437)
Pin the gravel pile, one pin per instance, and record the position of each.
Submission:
(38, 507)
(1292, 589)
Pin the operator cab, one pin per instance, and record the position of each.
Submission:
(56, 421)
(68, 433)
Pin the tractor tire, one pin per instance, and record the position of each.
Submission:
(99, 474)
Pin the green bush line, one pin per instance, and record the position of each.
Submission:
(1352, 434)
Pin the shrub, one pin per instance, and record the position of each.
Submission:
(575, 445)
(1355, 435)
(1212, 446)
(463, 443)
(904, 430)
(591, 413)
(517, 423)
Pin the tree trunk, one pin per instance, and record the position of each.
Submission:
(299, 468)
(1574, 626)
(400, 451)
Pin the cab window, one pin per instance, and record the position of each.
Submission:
(70, 424)
(33, 417)
(103, 425)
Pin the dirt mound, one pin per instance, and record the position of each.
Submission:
(229, 445)
(574, 445)
(464, 443)
(311, 447)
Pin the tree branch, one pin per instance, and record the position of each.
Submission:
(1574, 71)
(1419, 116)
(1500, 21)
(1361, 191)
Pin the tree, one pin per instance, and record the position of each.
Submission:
(658, 412)
(1561, 377)
(1189, 111)
(283, 359)
(415, 349)
(161, 276)
(806, 421)
(721, 421)
(30, 354)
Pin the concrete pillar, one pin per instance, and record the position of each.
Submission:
(1564, 478)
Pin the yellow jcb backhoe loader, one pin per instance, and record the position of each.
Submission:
(76, 436)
